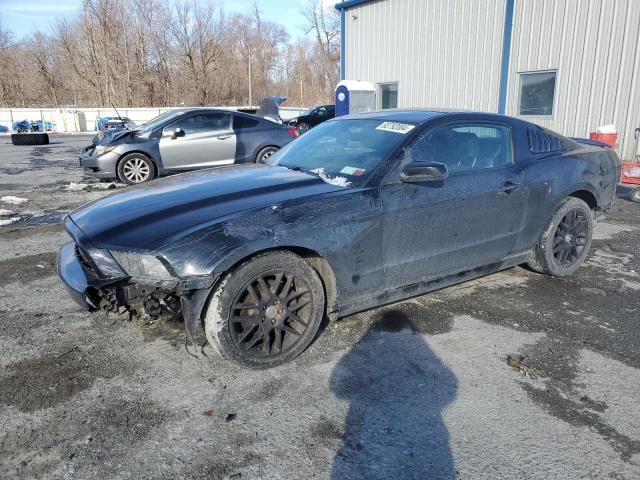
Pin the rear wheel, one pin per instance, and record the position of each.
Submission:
(565, 242)
(266, 311)
(265, 153)
(135, 168)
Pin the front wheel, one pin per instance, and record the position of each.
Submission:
(565, 242)
(266, 311)
(635, 195)
(135, 168)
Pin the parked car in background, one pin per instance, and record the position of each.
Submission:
(313, 117)
(180, 140)
(361, 211)
(108, 123)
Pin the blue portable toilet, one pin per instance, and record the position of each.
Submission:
(355, 97)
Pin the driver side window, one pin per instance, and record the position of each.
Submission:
(465, 147)
(201, 122)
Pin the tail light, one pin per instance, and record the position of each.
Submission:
(630, 172)
(293, 131)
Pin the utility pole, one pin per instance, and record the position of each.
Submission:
(250, 86)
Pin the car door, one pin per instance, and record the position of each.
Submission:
(208, 140)
(470, 219)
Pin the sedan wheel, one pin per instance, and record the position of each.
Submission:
(635, 195)
(265, 153)
(134, 169)
(267, 311)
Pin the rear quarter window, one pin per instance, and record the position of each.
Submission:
(243, 123)
(541, 141)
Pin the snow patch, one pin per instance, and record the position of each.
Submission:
(13, 200)
(76, 187)
(9, 221)
(6, 213)
(339, 181)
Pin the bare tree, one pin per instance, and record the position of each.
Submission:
(156, 53)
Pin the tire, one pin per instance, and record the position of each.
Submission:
(136, 168)
(635, 195)
(303, 128)
(265, 153)
(281, 297)
(30, 138)
(570, 232)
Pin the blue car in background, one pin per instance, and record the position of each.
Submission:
(3, 129)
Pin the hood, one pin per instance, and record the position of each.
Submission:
(270, 108)
(143, 217)
(105, 137)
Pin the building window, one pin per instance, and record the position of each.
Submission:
(388, 95)
(537, 91)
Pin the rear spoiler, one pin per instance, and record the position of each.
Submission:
(588, 141)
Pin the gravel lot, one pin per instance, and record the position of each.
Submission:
(433, 387)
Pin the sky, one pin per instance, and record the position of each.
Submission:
(23, 17)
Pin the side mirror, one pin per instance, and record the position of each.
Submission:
(178, 133)
(416, 172)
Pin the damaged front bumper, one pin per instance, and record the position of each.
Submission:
(92, 290)
(98, 165)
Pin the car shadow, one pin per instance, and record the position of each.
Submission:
(397, 389)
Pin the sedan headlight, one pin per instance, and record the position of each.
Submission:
(105, 263)
(142, 265)
(101, 149)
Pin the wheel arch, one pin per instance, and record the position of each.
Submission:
(318, 262)
(586, 196)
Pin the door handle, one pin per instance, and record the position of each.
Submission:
(223, 137)
(508, 187)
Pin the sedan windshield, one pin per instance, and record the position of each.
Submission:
(343, 152)
(159, 120)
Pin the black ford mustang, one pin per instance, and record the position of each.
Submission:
(361, 211)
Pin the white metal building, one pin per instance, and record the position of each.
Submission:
(569, 65)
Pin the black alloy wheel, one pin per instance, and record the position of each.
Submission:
(565, 241)
(266, 311)
(570, 238)
(268, 316)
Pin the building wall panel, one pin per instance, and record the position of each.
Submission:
(442, 53)
(594, 46)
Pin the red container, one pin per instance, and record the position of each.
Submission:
(608, 138)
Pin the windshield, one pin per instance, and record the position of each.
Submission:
(343, 152)
(155, 122)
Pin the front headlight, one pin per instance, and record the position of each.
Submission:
(105, 263)
(142, 265)
(101, 149)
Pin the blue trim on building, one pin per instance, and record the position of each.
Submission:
(506, 55)
(342, 42)
(351, 3)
